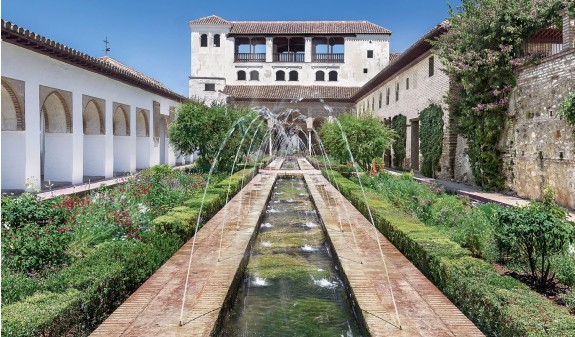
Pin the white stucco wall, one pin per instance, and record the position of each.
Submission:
(35, 70)
(423, 91)
(122, 161)
(13, 159)
(216, 64)
(94, 151)
(143, 152)
(59, 149)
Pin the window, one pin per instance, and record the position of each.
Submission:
(204, 40)
(407, 83)
(241, 75)
(365, 70)
(431, 66)
(373, 103)
(333, 76)
(280, 75)
(254, 75)
(397, 91)
(387, 97)
(319, 76)
(217, 40)
(380, 99)
(293, 76)
(210, 87)
(370, 54)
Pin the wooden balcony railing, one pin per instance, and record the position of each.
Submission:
(328, 58)
(250, 57)
(289, 57)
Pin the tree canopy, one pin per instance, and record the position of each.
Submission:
(202, 128)
(367, 136)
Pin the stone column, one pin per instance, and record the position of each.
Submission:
(32, 121)
(309, 141)
(269, 49)
(307, 57)
(77, 160)
(109, 139)
(568, 31)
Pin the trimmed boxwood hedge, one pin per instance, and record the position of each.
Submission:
(78, 298)
(498, 305)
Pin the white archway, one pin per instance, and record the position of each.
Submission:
(143, 144)
(56, 152)
(122, 142)
(94, 139)
(13, 139)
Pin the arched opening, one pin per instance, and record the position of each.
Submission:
(280, 75)
(56, 155)
(293, 75)
(204, 40)
(143, 144)
(93, 119)
(241, 75)
(333, 76)
(13, 140)
(217, 40)
(94, 141)
(12, 114)
(122, 143)
(121, 122)
(254, 75)
(319, 76)
(163, 141)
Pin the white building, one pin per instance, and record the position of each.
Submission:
(69, 117)
(273, 61)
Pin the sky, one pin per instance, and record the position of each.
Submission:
(153, 37)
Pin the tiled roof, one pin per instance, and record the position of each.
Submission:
(294, 27)
(280, 92)
(106, 66)
(210, 20)
(393, 56)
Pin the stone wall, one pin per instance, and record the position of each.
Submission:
(540, 147)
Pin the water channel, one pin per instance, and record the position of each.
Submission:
(291, 284)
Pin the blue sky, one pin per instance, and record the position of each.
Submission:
(153, 36)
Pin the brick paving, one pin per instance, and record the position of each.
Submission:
(154, 309)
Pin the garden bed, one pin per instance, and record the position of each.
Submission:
(93, 251)
(499, 305)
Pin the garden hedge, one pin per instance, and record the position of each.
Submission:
(498, 305)
(78, 298)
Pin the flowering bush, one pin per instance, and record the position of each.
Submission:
(482, 52)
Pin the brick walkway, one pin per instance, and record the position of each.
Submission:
(154, 309)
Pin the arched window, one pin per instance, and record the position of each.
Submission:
(280, 75)
(204, 40)
(121, 122)
(57, 117)
(407, 83)
(293, 76)
(387, 97)
(12, 114)
(254, 75)
(93, 119)
(397, 91)
(333, 76)
(142, 129)
(320, 76)
(380, 99)
(241, 75)
(217, 40)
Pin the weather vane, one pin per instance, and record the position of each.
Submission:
(106, 43)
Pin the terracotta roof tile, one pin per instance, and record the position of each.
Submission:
(280, 92)
(210, 20)
(294, 27)
(106, 66)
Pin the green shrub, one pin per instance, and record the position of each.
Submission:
(399, 125)
(16, 286)
(565, 267)
(431, 138)
(536, 233)
(499, 305)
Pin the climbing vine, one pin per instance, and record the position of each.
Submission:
(431, 138)
(482, 52)
(399, 125)
(567, 110)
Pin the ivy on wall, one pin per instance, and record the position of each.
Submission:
(567, 110)
(431, 138)
(482, 53)
(399, 125)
